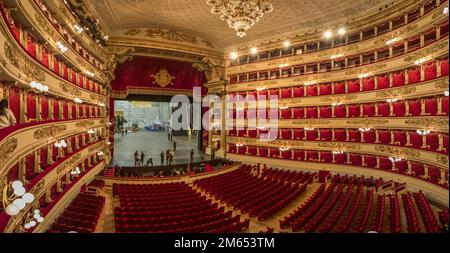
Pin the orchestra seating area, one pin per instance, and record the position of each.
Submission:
(170, 208)
(80, 216)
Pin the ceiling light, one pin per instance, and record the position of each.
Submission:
(233, 55)
(342, 31)
(328, 34)
(254, 50)
(287, 44)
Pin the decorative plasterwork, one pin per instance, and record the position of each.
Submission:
(398, 152)
(395, 92)
(428, 122)
(49, 132)
(427, 52)
(7, 148)
(84, 124)
(70, 89)
(69, 162)
(28, 67)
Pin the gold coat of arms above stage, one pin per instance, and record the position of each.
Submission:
(163, 78)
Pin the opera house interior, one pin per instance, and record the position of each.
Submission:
(224, 116)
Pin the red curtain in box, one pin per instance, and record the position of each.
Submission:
(339, 111)
(340, 135)
(274, 92)
(65, 109)
(286, 154)
(415, 139)
(299, 113)
(400, 138)
(263, 94)
(445, 105)
(242, 150)
(414, 75)
(383, 109)
(312, 135)
(368, 84)
(312, 155)
(354, 111)
(339, 88)
(418, 169)
(326, 156)
(298, 91)
(299, 134)
(263, 152)
(369, 110)
(13, 173)
(370, 136)
(398, 79)
(431, 106)
(65, 71)
(44, 108)
(414, 107)
(31, 46)
(384, 136)
(399, 109)
(430, 71)
(241, 133)
(252, 133)
(434, 174)
(311, 90)
(340, 158)
(311, 112)
(353, 86)
(232, 148)
(325, 112)
(402, 166)
(326, 135)
(370, 161)
(286, 113)
(433, 141)
(93, 111)
(299, 155)
(29, 166)
(56, 108)
(354, 135)
(74, 110)
(444, 67)
(326, 89)
(14, 101)
(274, 152)
(356, 159)
(383, 82)
(45, 54)
(385, 163)
(286, 134)
(54, 153)
(252, 151)
(31, 107)
(286, 93)
(73, 78)
(232, 132)
(43, 161)
(252, 95)
(56, 64)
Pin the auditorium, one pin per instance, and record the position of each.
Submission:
(224, 117)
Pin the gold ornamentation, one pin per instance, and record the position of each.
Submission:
(171, 35)
(428, 122)
(43, 24)
(441, 84)
(84, 124)
(338, 98)
(68, 163)
(7, 148)
(39, 187)
(132, 32)
(96, 147)
(427, 52)
(163, 78)
(395, 92)
(30, 68)
(442, 159)
(401, 33)
(339, 145)
(311, 122)
(49, 132)
(399, 152)
(366, 122)
(69, 89)
(371, 68)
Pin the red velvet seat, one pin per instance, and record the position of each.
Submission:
(369, 136)
(340, 158)
(299, 134)
(311, 112)
(399, 138)
(444, 67)
(370, 161)
(414, 107)
(385, 163)
(326, 156)
(286, 134)
(354, 135)
(286, 113)
(399, 109)
(312, 156)
(384, 137)
(430, 71)
(339, 88)
(286, 93)
(383, 109)
(413, 75)
(340, 135)
(369, 110)
(325, 89)
(299, 155)
(431, 106)
(415, 139)
(356, 159)
(383, 81)
(298, 91)
(398, 79)
(368, 84)
(354, 111)
(339, 111)
(432, 141)
(353, 86)
(325, 135)
(311, 90)
(312, 135)
(274, 152)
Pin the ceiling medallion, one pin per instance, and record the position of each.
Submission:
(240, 15)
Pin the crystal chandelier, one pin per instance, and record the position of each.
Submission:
(240, 15)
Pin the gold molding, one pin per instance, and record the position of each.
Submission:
(7, 148)
(388, 93)
(49, 132)
(399, 152)
(29, 68)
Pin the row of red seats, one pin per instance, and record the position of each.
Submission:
(363, 217)
(443, 217)
(410, 212)
(344, 225)
(378, 223)
(293, 177)
(394, 216)
(426, 212)
(81, 215)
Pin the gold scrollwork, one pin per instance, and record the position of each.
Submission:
(338, 145)
(39, 187)
(427, 122)
(69, 89)
(68, 163)
(401, 152)
(441, 84)
(395, 92)
(426, 52)
(339, 98)
(86, 123)
(375, 67)
(49, 132)
(366, 122)
(28, 67)
(443, 159)
(7, 148)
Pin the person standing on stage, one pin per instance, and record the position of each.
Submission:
(174, 146)
(162, 157)
(192, 155)
(142, 158)
(136, 158)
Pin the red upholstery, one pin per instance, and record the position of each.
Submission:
(415, 107)
(444, 67)
(326, 156)
(369, 110)
(383, 81)
(418, 169)
(325, 111)
(263, 152)
(356, 159)
(445, 105)
(340, 158)
(415, 139)
(286, 93)
(298, 91)
(399, 109)
(384, 137)
(399, 138)
(339, 88)
(398, 79)
(368, 84)
(232, 148)
(274, 152)
(44, 109)
(242, 150)
(354, 135)
(311, 112)
(299, 113)
(369, 136)
(299, 134)
(383, 109)
(31, 107)
(385, 163)
(251, 151)
(252, 133)
(14, 102)
(354, 111)
(286, 134)
(311, 135)
(339, 111)
(432, 141)
(286, 113)
(299, 155)
(274, 92)
(370, 161)
(312, 155)
(402, 166)
(353, 86)
(431, 106)
(311, 90)
(286, 154)
(430, 71)
(326, 89)
(414, 75)
(340, 135)
(325, 135)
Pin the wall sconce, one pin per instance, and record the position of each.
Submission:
(420, 61)
(15, 198)
(336, 152)
(392, 41)
(361, 76)
(61, 144)
(78, 101)
(423, 132)
(395, 159)
(61, 47)
(391, 100)
(33, 219)
(75, 172)
(285, 148)
(78, 28)
(309, 128)
(38, 87)
(91, 131)
(100, 153)
(336, 56)
(337, 103)
(366, 129)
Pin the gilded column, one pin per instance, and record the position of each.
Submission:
(37, 161)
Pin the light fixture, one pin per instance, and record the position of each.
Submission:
(78, 101)
(365, 129)
(338, 152)
(15, 198)
(78, 28)
(364, 75)
(101, 104)
(284, 148)
(89, 73)
(336, 103)
(254, 50)
(287, 43)
(393, 40)
(91, 131)
(309, 82)
(446, 93)
(61, 47)
(106, 37)
(328, 34)
(395, 159)
(61, 144)
(420, 61)
(32, 219)
(336, 56)
(240, 15)
(445, 10)
(423, 132)
(391, 100)
(342, 31)
(38, 87)
(283, 107)
(309, 128)
(239, 144)
(284, 65)
(260, 88)
(75, 172)
(233, 55)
